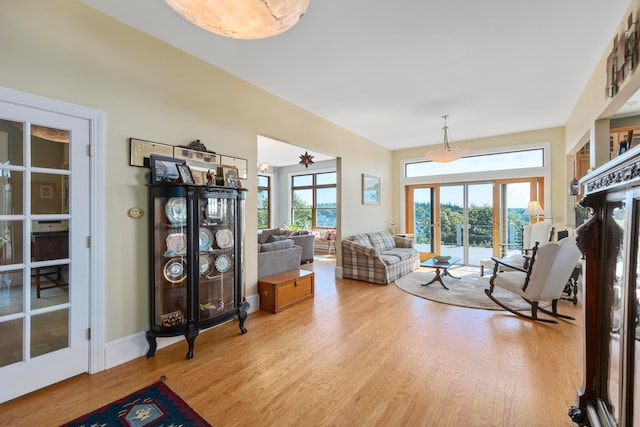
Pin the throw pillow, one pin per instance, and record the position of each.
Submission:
(262, 237)
(274, 238)
(276, 246)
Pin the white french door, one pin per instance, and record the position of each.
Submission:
(44, 251)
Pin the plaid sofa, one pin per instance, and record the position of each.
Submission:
(378, 257)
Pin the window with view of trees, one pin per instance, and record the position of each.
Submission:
(314, 200)
(264, 201)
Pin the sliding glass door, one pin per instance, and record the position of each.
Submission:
(471, 221)
(466, 221)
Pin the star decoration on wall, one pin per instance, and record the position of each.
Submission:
(306, 159)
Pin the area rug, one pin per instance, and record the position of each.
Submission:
(155, 405)
(468, 291)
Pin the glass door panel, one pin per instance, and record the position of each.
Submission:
(452, 222)
(44, 304)
(421, 220)
(616, 213)
(634, 321)
(514, 198)
(480, 220)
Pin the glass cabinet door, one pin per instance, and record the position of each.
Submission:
(634, 320)
(170, 260)
(216, 254)
(614, 271)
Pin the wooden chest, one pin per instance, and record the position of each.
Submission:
(283, 290)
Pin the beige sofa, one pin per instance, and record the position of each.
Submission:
(378, 257)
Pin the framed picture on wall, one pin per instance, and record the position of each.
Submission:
(370, 189)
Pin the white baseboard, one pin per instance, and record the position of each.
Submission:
(128, 348)
(339, 273)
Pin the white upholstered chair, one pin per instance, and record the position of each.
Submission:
(540, 232)
(549, 269)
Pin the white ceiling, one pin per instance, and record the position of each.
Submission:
(389, 70)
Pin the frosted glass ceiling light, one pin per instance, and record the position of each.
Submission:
(242, 19)
(449, 151)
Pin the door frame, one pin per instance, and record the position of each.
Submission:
(435, 216)
(536, 185)
(536, 192)
(97, 361)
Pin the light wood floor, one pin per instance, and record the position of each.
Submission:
(357, 354)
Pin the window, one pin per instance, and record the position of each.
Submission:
(314, 200)
(520, 159)
(264, 201)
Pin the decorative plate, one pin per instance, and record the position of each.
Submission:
(176, 210)
(206, 239)
(206, 265)
(224, 239)
(223, 263)
(174, 270)
(176, 243)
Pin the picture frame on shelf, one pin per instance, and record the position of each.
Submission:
(238, 163)
(199, 176)
(164, 169)
(370, 189)
(231, 179)
(185, 173)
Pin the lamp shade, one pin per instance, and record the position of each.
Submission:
(445, 155)
(242, 19)
(534, 209)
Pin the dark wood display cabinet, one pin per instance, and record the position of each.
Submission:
(195, 260)
(609, 240)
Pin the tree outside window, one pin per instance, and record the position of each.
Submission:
(264, 201)
(314, 200)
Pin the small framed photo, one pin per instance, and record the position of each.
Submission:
(185, 174)
(164, 169)
(370, 189)
(231, 179)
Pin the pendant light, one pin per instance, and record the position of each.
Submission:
(574, 185)
(449, 151)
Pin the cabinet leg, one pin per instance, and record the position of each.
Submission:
(242, 315)
(191, 339)
(152, 346)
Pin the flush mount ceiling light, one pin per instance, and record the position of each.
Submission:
(449, 151)
(242, 19)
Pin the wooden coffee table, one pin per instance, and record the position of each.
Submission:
(440, 266)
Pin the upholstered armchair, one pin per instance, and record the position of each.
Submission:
(549, 269)
(539, 232)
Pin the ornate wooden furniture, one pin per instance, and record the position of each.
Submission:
(195, 260)
(610, 391)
